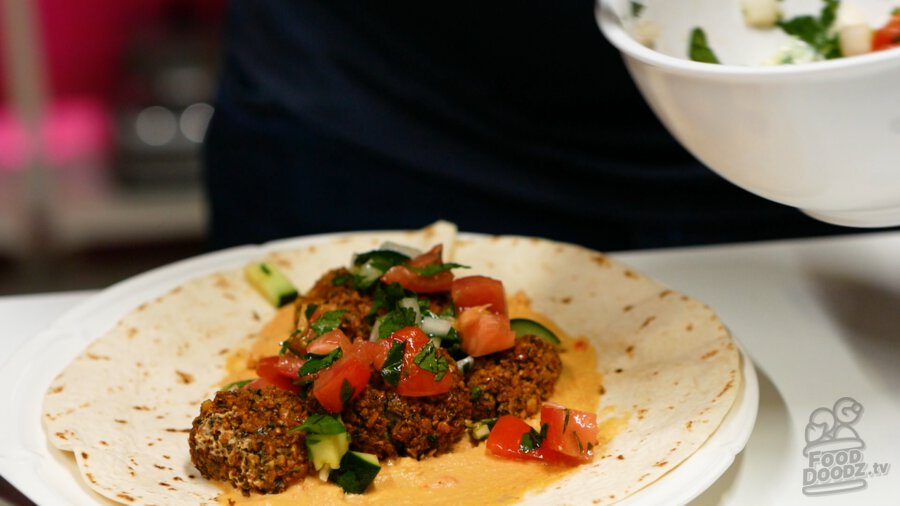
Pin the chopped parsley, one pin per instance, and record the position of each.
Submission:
(386, 297)
(315, 363)
(532, 440)
(476, 394)
(327, 322)
(341, 279)
(816, 31)
(699, 49)
(346, 392)
(310, 310)
(452, 343)
(370, 266)
(393, 364)
(397, 319)
(434, 269)
(381, 259)
(636, 9)
(429, 360)
(236, 384)
(322, 424)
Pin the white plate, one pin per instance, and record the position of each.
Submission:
(49, 477)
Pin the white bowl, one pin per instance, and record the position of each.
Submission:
(823, 136)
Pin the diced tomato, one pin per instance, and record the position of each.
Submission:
(409, 279)
(341, 382)
(570, 431)
(505, 440)
(887, 36)
(370, 352)
(280, 370)
(415, 381)
(260, 383)
(327, 342)
(483, 332)
(472, 291)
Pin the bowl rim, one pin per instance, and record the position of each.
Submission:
(612, 27)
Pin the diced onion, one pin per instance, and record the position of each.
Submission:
(367, 272)
(855, 40)
(373, 336)
(853, 31)
(760, 13)
(400, 248)
(436, 326)
(465, 363)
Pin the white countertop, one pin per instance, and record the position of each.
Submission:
(819, 317)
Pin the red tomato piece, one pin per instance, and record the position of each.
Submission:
(260, 383)
(483, 332)
(280, 371)
(409, 279)
(341, 382)
(570, 431)
(328, 342)
(472, 291)
(887, 36)
(370, 352)
(505, 440)
(415, 381)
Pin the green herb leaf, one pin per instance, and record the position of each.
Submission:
(397, 319)
(321, 424)
(368, 267)
(578, 441)
(327, 322)
(236, 384)
(476, 394)
(386, 297)
(429, 360)
(393, 364)
(346, 392)
(315, 363)
(699, 50)
(310, 310)
(341, 279)
(636, 9)
(532, 440)
(816, 31)
(434, 269)
(381, 259)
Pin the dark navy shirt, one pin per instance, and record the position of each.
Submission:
(505, 117)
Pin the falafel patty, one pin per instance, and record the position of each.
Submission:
(243, 436)
(389, 425)
(514, 381)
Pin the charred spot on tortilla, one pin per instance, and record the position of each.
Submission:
(185, 378)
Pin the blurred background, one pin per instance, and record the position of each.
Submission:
(103, 108)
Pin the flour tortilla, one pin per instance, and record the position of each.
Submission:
(671, 370)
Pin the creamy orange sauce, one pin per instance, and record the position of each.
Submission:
(467, 475)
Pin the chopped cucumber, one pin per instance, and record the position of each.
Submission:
(271, 283)
(327, 449)
(356, 473)
(524, 327)
(326, 439)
